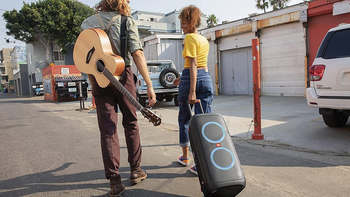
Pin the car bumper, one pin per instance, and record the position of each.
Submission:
(314, 100)
(173, 91)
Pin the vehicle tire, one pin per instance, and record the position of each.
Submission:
(167, 77)
(160, 97)
(176, 101)
(142, 101)
(337, 119)
(169, 98)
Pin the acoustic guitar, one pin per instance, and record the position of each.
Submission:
(93, 54)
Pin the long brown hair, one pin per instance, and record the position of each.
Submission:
(122, 6)
(192, 15)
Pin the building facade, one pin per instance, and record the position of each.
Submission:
(150, 23)
(6, 73)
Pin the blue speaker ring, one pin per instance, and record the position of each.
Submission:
(213, 141)
(220, 167)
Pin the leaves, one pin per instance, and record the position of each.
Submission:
(276, 4)
(262, 4)
(55, 20)
(212, 20)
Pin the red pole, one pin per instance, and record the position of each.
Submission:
(257, 135)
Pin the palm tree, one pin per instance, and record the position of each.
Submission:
(212, 20)
(278, 4)
(262, 4)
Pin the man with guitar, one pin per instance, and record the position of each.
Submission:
(109, 98)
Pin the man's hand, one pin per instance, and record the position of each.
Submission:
(151, 96)
(177, 81)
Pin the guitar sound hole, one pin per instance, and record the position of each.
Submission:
(100, 66)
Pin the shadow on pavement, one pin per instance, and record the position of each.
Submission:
(49, 182)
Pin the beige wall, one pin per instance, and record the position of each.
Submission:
(9, 70)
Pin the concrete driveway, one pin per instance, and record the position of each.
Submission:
(286, 121)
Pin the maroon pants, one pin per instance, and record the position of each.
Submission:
(106, 100)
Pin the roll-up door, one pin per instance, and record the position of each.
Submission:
(171, 49)
(236, 64)
(282, 52)
(236, 72)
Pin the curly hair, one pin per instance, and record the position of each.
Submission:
(192, 15)
(122, 6)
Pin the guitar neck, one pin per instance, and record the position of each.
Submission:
(120, 87)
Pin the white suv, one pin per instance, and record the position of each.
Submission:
(330, 77)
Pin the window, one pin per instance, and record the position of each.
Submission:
(58, 56)
(338, 45)
(29, 58)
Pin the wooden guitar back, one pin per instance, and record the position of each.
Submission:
(93, 45)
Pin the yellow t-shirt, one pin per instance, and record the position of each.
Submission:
(196, 46)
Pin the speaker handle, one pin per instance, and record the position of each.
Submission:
(197, 101)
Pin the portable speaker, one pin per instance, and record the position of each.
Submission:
(217, 163)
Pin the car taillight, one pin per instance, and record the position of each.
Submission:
(316, 72)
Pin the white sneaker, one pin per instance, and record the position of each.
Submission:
(183, 161)
(193, 169)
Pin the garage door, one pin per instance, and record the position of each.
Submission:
(282, 52)
(236, 72)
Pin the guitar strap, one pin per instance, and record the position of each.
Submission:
(123, 37)
(123, 30)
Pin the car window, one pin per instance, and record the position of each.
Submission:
(338, 45)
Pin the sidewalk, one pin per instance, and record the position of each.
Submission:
(286, 121)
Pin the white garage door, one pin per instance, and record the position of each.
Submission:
(236, 72)
(282, 52)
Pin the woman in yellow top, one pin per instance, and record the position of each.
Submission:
(195, 82)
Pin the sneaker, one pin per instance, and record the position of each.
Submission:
(193, 169)
(183, 161)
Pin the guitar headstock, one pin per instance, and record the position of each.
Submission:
(152, 117)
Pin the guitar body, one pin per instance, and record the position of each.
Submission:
(93, 46)
(93, 54)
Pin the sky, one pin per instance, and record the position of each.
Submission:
(224, 10)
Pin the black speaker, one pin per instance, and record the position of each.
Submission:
(217, 163)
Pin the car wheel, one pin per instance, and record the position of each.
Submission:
(142, 101)
(337, 119)
(168, 98)
(167, 77)
(176, 101)
(160, 97)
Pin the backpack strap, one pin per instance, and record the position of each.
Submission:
(123, 37)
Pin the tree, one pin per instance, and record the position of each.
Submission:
(262, 4)
(47, 21)
(278, 4)
(212, 20)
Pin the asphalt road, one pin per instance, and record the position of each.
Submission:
(53, 149)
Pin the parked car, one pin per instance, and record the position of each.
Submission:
(162, 73)
(37, 89)
(330, 77)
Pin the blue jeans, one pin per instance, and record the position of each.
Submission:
(204, 92)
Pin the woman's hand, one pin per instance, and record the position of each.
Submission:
(192, 98)
(177, 81)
